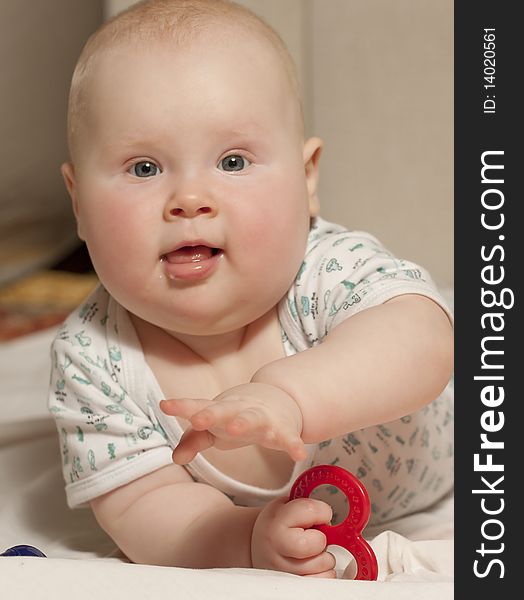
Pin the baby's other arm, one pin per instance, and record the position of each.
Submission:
(167, 519)
(378, 365)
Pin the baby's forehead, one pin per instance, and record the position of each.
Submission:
(216, 60)
(212, 42)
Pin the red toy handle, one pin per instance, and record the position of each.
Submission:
(347, 534)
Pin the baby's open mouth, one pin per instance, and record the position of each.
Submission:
(190, 254)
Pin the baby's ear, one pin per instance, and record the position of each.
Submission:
(68, 173)
(312, 150)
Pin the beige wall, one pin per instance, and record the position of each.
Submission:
(382, 98)
(39, 44)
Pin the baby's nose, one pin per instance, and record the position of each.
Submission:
(189, 206)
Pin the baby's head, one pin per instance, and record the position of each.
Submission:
(178, 23)
(190, 177)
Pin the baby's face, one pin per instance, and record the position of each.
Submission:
(190, 186)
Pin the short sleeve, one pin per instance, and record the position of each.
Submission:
(107, 438)
(343, 273)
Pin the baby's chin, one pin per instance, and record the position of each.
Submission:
(216, 306)
(197, 321)
(214, 324)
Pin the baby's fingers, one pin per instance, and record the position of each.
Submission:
(322, 565)
(306, 512)
(183, 407)
(254, 425)
(296, 448)
(191, 443)
(301, 544)
(331, 574)
(223, 415)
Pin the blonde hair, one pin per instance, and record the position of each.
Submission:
(179, 21)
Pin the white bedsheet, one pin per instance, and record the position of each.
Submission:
(415, 553)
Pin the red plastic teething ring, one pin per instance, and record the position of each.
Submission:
(347, 534)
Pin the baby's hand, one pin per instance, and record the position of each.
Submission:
(282, 542)
(253, 413)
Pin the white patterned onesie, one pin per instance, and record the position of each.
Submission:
(105, 398)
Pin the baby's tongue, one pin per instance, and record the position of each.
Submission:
(189, 254)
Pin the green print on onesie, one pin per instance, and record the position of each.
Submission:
(88, 312)
(349, 285)
(76, 468)
(118, 409)
(111, 451)
(91, 460)
(304, 301)
(115, 354)
(301, 270)
(93, 420)
(333, 265)
(83, 340)
(293, 309)
(65, 447)
(81, 380)
(66, 364)
(339, 241)
(144, 432)
(99, 363)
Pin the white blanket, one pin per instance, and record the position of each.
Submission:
(415, 554)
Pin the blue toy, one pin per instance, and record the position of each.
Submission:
(23, 550)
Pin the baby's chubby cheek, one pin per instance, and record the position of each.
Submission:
(279, 224)
(274, 244)
(119, 240)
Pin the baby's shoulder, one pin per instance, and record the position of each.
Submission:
(88, 320)
(334, 250)
(325, 236)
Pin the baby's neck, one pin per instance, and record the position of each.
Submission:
(212, 348)
(250, 347)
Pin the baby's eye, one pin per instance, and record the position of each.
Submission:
(233, 162)
(144, 168)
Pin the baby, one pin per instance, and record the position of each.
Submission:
(237, 338)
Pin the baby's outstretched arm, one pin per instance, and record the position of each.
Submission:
(377, 366)
(381, 364)
(165, 518)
